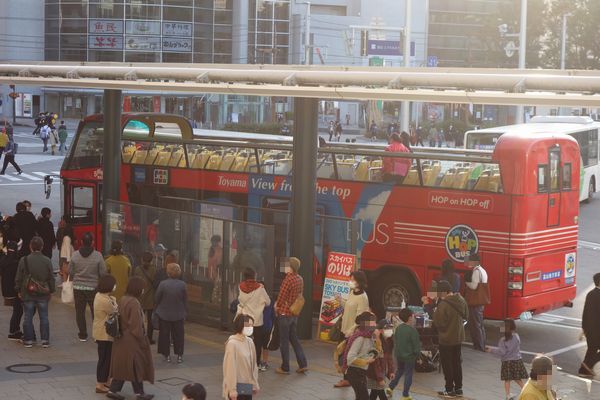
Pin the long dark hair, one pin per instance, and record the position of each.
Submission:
(509, 328)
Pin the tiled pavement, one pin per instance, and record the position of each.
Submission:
(72, 373)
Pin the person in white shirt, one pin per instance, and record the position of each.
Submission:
(476, 328)
(45, 135)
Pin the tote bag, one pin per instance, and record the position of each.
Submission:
(66, 296)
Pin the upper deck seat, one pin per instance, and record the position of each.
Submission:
(412, 178)
(139, 157)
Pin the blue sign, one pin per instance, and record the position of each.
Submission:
(139, 174)
(432, 61)
(547, 276)
(387, 48)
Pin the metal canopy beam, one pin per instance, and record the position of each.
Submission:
(480, 86)
(325, 92)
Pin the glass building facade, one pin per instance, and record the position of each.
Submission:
(166, 31)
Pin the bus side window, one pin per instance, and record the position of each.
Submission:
(566, 177)
(554, 171)
(542, 179)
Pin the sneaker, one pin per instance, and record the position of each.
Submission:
(179, 359)
(406, 398)
(15, 336)
(167, 358)
(144, 396)
(28, 344)
(282, 371)
(458, 392)
(45, 344)
(389, 392)
(82, 338)
(20, 172)
(445, 393)
(262, 367)
(302, 370)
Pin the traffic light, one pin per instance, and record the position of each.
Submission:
(364, 43)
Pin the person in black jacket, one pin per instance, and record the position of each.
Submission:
(591, 329)
(45, 229)
(8, 268)
(26, 227)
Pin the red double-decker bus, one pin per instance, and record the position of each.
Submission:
(517, 206)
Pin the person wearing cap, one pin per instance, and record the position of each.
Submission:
(539, 386)
(407, 347)
(591, 329)
(291, 289)
(478, 275)
(448, 319)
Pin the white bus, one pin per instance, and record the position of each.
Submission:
(583, 129)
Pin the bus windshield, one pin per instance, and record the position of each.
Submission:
(482, 140)
(88, 148)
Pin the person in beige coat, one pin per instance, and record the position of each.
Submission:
(104, 306)
(131, 358)
(240, 372)
(357, 303)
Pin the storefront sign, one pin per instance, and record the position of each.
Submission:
(176, 29)
(105, 42)
(142, 27)
(110, 26)
(335, 289)
(27, 104)
(177, 44)
(145, 43)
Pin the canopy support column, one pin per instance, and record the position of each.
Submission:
(112, 154)
(304, 195)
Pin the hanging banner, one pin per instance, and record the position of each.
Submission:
(335, 290)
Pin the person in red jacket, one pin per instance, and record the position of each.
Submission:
(396, 169)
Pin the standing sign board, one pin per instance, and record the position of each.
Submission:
(335, 290)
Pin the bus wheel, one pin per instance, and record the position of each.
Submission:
(394, 288)
(591, 190)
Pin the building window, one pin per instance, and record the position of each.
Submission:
(107, 9)
(177, 14)
(73, 10)
(105, 55)
(132, 56)
(177, 57)
(73, 26)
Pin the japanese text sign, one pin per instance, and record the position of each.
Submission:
(335, 290)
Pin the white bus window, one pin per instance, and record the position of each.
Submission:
(541, 178)
(566, 177)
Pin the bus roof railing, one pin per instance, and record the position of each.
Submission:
(460, 155)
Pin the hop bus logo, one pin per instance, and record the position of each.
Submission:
(461, 241)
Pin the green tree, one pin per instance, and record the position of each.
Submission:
(583, 34)
(509, 13)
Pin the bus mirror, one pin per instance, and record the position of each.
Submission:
(48, 185)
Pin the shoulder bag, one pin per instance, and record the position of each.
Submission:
(113, 324)
(298, 304)
(35, 287)
(479, 296)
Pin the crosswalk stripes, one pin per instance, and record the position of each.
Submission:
(34, 176)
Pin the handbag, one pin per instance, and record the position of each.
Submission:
(335, 333)
(113, 325)
(479, 296)
(244, 389)
(33, 286)
(297, 305)
(67, 295)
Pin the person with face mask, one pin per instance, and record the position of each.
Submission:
(240, 370)
(407, 347)
(171, 309)
(383, 366)
(358, 353)
(539, 386)
(357, 303)
(104, 306)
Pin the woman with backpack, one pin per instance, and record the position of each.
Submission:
(253, 299)
(104, 306)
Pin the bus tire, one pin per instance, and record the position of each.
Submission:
(591, 190)
(390, 288)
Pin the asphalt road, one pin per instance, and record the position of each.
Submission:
(556, 332)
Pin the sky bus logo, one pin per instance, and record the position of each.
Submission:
(461, 241)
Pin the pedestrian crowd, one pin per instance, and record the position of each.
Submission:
(128, 299)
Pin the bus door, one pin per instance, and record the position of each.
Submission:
(83, 211)
(554, 197)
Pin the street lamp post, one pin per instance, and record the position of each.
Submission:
(563, 47)
(405, 110)
(522, 53)
(307, 46)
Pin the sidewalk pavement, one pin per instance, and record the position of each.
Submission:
(72, 369)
